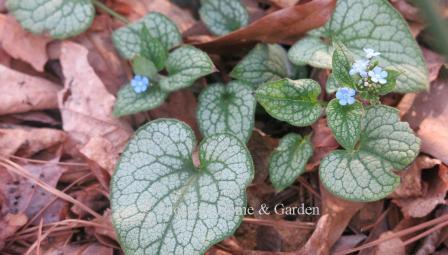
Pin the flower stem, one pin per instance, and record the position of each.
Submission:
(109, 11)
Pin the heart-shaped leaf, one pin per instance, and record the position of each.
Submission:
(227, 109)
(372, 24)
(128, 39)
(345, 122)
(60, 19)
(163, 204)
(366, 174)
(265, 62)
(223, 16)
(288, 160)
(130, 102)
(185, 65)
(292, 101)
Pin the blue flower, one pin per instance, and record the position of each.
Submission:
(140, 83)
(360, 67)
(378, 75)
(370, 53)
(346, 96)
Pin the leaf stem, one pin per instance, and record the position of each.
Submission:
(109, 11)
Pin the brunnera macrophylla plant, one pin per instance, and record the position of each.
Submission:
(170, 195)
(152, 44)
(375, 142)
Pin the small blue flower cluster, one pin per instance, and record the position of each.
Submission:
(365, 70)
(369, 73)
(140, 83)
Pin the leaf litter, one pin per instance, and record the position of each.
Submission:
(59, 144)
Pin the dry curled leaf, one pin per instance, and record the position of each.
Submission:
(282, 25)
(85, 104)
(26, 141)
(22, 93)
(23, 45)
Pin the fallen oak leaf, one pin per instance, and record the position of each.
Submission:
(23, 45)
(26, 141)
(282, 25)
(85, 104)
(23, 93)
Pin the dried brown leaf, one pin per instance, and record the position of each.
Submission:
(434, 62)
(101, 157)
(408, 11)
(182, 18)
(411, 180)
(423, 205)
(337, 213)
(427, 113)
(74, 249)
(9, 224)
(285, 24)
(323, 143)
(23, 93)
(85, 104)
(23, 45)
(104, 59)
(284, 3)
(392, 246)
(24, 196)
(26, 141)
(92, 196)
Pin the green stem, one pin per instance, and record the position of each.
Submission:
(111, 12)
